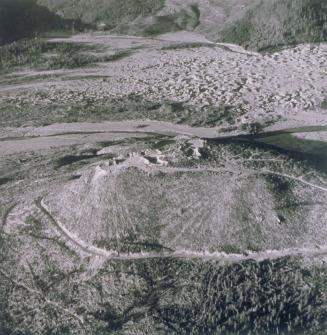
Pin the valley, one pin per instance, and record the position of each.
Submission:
(165, 184)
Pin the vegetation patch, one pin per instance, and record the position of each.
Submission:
(188, 45)
(41, 54)
(324, 104)
(5, 180)
(116, 56)
(70, 159)
(44, 55)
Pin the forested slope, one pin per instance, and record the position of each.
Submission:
(280, 22)
(256, 24)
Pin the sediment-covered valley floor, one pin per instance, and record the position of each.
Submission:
(170, 186)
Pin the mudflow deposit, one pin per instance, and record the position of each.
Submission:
(165, 184)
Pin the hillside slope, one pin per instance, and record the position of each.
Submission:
(256, 24)
(145, 17)
(111, 12)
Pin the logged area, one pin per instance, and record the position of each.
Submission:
(166, 183)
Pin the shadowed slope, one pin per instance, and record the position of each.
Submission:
(23, 18)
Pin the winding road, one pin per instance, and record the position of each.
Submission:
(86, 248)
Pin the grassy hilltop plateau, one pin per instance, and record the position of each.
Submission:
(163, 167)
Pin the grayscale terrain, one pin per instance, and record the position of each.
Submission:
(167, 174)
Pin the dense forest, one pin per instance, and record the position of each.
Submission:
(280, 22)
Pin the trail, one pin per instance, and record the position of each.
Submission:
(47, 216)
(264, 171)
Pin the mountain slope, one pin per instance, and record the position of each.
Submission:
(255, 24)
(146, 17)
